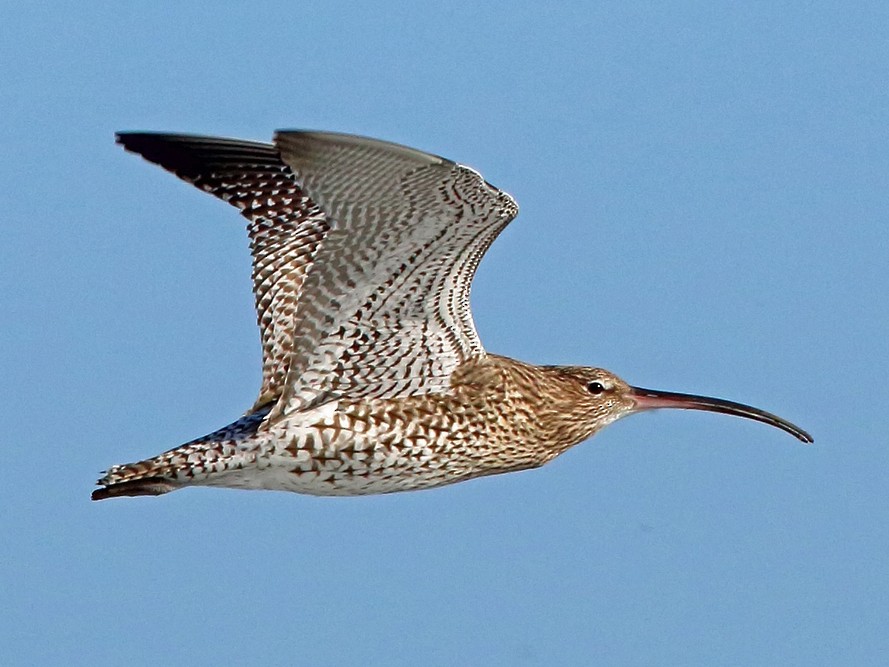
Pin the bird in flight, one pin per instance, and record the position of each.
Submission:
(374, 379)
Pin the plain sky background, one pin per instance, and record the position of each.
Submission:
(703, 191)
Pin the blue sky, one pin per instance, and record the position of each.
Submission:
(704, 204)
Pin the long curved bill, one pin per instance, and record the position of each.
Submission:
(653, 399)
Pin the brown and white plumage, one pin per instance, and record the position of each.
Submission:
(384, 312)
(285, 227)
(374, 378)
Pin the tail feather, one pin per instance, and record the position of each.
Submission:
(151, 477)
(148, 486)
(194, 462)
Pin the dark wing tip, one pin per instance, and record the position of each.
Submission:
(190, 156)
(174, 152)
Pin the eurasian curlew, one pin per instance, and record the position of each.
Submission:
(374, 379)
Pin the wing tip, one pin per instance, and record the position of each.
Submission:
(191, 156)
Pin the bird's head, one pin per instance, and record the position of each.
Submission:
(598, 397)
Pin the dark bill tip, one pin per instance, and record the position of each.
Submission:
(653, 399)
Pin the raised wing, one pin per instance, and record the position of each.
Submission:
(384, 312)
(285, 227)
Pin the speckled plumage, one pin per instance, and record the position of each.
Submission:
(374, 378)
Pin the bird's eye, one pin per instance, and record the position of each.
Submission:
(595, 388)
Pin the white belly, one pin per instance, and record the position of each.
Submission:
(341, 457)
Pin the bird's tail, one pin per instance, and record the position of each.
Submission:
(147, 486)
(197, 462)
(150, 477)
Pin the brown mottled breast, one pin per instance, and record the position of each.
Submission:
(505, 415)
